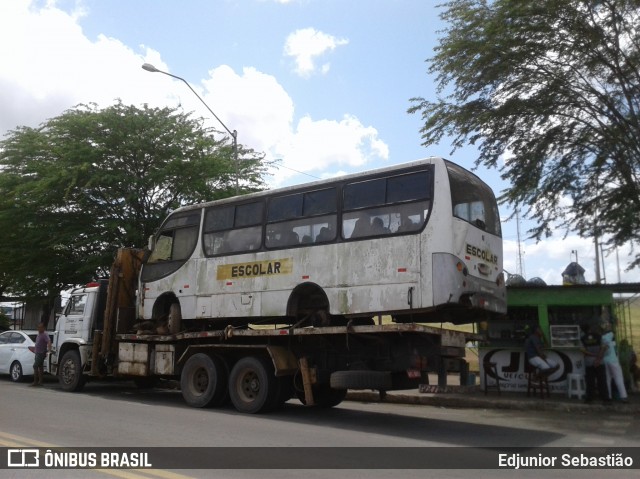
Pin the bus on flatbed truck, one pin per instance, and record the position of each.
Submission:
(272, 295)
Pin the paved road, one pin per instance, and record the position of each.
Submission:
(119, 415)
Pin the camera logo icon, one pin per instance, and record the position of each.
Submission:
(23, 458)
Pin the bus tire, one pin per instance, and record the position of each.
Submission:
(253, 387)
(361, 380)
(70, 374)
(203, 381)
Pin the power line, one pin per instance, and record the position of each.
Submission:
(301, 172)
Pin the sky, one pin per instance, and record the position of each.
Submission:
(323, 86)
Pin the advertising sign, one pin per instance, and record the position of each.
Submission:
(510, 367)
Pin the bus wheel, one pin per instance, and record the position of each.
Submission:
(175, 318)
(70, 372)
(253, 387)
(203, 381)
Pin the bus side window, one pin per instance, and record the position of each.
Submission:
(356, 225)
(245, 239)
(326, 234)
(282, 235)
(184, 241)
(378, 227)
(233, 229)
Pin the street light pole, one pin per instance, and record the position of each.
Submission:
(234, 134)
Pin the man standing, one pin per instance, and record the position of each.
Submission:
(42, 347)
(595, 373)
(611, 362)
(533, 347)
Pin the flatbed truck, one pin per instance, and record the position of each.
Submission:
(255, 367)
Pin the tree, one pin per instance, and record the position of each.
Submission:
(90, 181)
(5, 322)
(549, 92)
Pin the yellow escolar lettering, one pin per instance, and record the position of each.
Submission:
(484, 255)
(254, 269)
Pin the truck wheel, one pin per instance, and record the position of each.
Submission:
(253, 387)
(203, 381)
(324, 396)
(16, 372)
(70, 372)
(361, 380)
(328, 397)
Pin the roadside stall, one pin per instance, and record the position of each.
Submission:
(562, 312)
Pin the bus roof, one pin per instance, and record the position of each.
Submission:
(412, 164)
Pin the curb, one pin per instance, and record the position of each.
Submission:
(462, 401)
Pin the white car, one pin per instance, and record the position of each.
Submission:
(15, 357)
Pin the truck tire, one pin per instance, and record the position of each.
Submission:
(70, 372)
(361, 380)
(253, 387)
(203, 381)
(324, 396)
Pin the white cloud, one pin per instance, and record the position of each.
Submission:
(49, 66)
(548, 259)
(253, 103)
(308, 44)
(258, 107)
(316, 146)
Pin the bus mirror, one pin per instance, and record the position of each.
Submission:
(151, 243)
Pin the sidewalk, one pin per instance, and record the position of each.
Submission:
(475, 397)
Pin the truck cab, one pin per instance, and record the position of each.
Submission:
(73, 336)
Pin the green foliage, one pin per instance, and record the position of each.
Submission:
(90, 181)
(5, 322)
(549, 92)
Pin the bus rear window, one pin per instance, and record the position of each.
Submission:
(472, 200)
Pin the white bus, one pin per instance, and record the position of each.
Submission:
(420, 242)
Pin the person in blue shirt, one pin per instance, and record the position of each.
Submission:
(534, 351)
